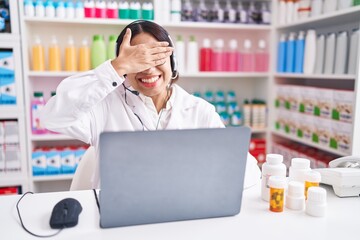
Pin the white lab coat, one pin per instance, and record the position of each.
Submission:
(89, 103)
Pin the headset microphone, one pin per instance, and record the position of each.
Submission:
(132, 91)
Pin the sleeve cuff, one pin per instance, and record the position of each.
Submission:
(108, 75)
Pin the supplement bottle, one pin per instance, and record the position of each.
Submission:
(277, 186)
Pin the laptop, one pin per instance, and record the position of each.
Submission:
(171, 175)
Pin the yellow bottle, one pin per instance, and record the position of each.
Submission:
(84, 56)
(70, 56)
(54, 55)
(38, 56)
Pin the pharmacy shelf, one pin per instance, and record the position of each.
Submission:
(12, 179)
(324, 20)
(60, 177)
(9, 37)
(258, 130)
(50, 137)
(121, 22)
(63, 74)
(318, 146)
(316, 76)
(10, 112)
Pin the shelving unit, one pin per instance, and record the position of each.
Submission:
(246, 85)
(331, 22)
(11, 41)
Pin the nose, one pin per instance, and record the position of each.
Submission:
(149, 70)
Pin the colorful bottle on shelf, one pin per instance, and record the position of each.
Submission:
(232, 57)
(218, 60)
(54, 55)
(70, 9)
(37, 104)
(60, 10)
(187, 11)
(135, 10)
(29, 8)
(70, 56)
(98, 51)
(112, 9)
(217, 13)
(206, 53)
(39, 9)
(192, 56)
(124, 10)
(230, 13)
(147, 11)
(299, 52)
(290, 53)
(100, 9)
(84, 56)
(79, 10)
(89, 8)
(49, 9)
(261, 57)
(281, 54)
(241, 14)
(111, 47)
(175, 13)
(247, 57)
(38, 55)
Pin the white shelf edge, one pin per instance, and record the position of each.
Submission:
(12, 179)
(116, 22)
(9, 37)
(321, 18)
(50, 137)
(257, 130)
(9, 112)
(318, 146)
(185, 75)
(316, 76)
(59, 177)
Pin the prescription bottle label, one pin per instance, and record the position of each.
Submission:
(276, 199)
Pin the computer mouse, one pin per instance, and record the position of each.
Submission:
(65, 213)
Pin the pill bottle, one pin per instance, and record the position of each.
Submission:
(298, 168)
(316, 202)
(295, 198)
(272, 167)
(277, 188)
(312, 179)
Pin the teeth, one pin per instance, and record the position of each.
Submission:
(149, 80)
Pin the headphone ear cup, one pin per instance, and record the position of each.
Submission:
(173, 64)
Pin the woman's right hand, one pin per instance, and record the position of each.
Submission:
(137, 58)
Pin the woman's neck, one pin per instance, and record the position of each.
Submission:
(161, 100)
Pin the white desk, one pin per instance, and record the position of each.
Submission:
(255, 221)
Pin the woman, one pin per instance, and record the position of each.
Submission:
(135, 91)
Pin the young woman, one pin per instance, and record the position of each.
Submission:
(135, 91)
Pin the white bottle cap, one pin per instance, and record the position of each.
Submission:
(219, 43)
(37, 39)
(301, 35)
(300, 163)
(247, 44)
(283, 37)
(292, 36)
(206, 43)
(84, 42)
(70, 40)
(274, 158)
(277, 182)
(295, 198)
(53, 40)
(262, 44)
(316, 202)
(233, 44)
(313, 176)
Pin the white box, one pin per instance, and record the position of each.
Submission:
(294, 97)
(12, 158)
(2, 159)
(322, 132)
(11, 129)
(68, 163)
(2, 133)
(341, 136)
(307, 100)
(343, 108)
(38, 160)
(53, 162)
(324, 103)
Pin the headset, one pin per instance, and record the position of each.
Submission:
(173, 61)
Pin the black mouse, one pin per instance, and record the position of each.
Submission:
(65, 213)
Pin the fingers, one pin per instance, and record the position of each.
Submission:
(127, 37)
(160, 56)
(157, 44)
(156, 50)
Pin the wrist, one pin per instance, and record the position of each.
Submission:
(119, 67)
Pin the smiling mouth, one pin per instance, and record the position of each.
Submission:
(149, 79)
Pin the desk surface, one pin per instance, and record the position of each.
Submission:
(255, 221)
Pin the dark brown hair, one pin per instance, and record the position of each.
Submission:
(158, 32)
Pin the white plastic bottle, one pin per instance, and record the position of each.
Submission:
(29, 8)
(289, 11)
(310, 52)
(354, 43)
(282, 12)
(330, 6)
(316, 202)
(70, 9)
(343, 4)
(320, 54)
(39, 9)
(49, 9)
(298, 168)
(180, 54)
(192, 56)
(265, 12)
(316, 8)
(341, 53)
(175, 11)
(330, 53)
(60, 10)
(79, 10)
(272, 167)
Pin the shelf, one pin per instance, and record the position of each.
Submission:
(50, 137)
(258, 131)
(63, 74)
(9, 112)
(318, 146)
(316, 76)
(12, 179)
(59, 177)
(122, 22)
(329, 19)
(9, 37)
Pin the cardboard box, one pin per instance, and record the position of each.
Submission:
(12, 158)
(38, 159)
(343, 107)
